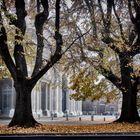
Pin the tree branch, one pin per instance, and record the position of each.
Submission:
(92, 14)
(109, 12)
(20, 31)
(75, 41)
(119, 23)
(135, 46)
(102, 13)
(114, 48)
(58, 36)
(135, 49)
(57, 55)
(40, 20)
(106, 21)
(130, 11)
(110, 76)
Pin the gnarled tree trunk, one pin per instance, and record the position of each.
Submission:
(129, 111)
(23, 109)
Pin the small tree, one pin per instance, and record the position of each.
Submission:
(87, 86)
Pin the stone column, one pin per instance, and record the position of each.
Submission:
(37, 100)
(79, 103)
(38, 92)
(33, 101)
(74, 105)
(55, 100)
(47, 99)
(67, 102)
(12, 106)
(60, 101)
(51, 99)
(81, 107)
(40, 98)
(71, 104)
(46, 95)
(13, 95)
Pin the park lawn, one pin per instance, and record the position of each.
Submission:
(73, 128)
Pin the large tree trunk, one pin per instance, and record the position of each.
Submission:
(129, 111)
(23, 111)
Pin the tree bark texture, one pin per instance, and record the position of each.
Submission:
(40, 20)
(23, 110)
(129, 111)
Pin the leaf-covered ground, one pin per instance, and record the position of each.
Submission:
(73, 128)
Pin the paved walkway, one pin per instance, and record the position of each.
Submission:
(85, 119)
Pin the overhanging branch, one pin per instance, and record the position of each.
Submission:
(40, 20)
(110, 76)
(119, 23)
(57, 55)
(19, 53)
(75, 41)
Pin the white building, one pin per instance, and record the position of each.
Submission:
(49, 97)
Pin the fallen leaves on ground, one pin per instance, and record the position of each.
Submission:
(73, 128)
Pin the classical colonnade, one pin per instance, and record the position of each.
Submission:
(48, 97)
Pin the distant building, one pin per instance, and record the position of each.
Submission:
(99, 108)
